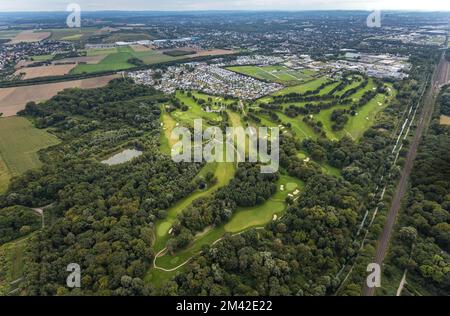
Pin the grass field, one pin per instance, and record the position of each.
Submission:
(166, 142)
(42, 57)
(280, 74)
(11, 264)
(19, 144)
(194, 112)
(72, 34)
(117, 59)
(300, 88)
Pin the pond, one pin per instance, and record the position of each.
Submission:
(122, 157)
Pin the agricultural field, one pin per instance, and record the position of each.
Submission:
(20, 143)
(30, 36)
(112, 62)
(10, 34)
(116, 58)
(45, 71)
(73, 34)
(279, 74)
(13, 100)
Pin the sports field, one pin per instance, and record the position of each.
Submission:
(19, 145)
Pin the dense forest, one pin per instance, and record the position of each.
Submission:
(422, 243)
(103, 215)
(16, 222)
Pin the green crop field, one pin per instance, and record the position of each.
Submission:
(101, 51)
(112, 62)
(71, 34)
(19, 144)
(8, 34)
(117, 59)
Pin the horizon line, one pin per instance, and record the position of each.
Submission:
(238, 10)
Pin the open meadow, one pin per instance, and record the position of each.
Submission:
(19, 145)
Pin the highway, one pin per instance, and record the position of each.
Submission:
(440, 77)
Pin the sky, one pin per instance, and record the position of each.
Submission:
(189, 5)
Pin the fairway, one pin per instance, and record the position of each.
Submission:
(253, 217)
(242, 220)
(166, 140)
(302, 88)
(194, 112)
(280, 74)
(19, 144)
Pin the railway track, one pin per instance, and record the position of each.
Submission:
(440, 78)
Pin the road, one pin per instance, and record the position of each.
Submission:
(440, 78)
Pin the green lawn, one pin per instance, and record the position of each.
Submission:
(300, 128)
(194, 112)
(42, 57)
(302, 88)
(280, 74)
(19, 144)
(166, 142)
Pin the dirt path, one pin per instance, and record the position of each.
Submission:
(425, 117)
(401, 285)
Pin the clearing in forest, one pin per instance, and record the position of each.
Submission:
(20, 142)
